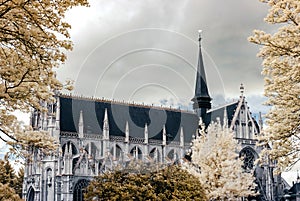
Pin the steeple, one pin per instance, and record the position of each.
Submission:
(202, 100)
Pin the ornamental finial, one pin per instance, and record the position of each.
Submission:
(200, 36)
(242, 89)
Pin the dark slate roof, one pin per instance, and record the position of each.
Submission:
(118, 113)
(295, 189)
(213, 114)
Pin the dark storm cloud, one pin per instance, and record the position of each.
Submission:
(153, 63)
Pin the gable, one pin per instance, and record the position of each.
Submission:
(215, 113)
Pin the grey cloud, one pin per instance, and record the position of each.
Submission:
(229, 58)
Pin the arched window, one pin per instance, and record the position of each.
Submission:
(248, 157)
(119, 152)
(30, 194)
(79, 189)
(116, 152)
(154, 154)
(49, 177)
(172, 155)
(91, 150)
(137, 153)
(66, 146)
(100, 168)
(236, 128)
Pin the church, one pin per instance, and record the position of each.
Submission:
(96, 135)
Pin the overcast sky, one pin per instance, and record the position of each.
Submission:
(146, 51)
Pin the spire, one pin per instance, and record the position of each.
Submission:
(201, 89)
(201, 99)
(80, 125)
(57, 114)
(70, 149)
(146, 134)
(164, 136)
(105, 126)
(260, 121)
(181, 137)
(127, 132)
(225, 118)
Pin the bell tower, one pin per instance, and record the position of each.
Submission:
(201, 100)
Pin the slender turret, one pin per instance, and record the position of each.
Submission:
(126, 132)
(164, 136)
(80, 125)
(201, 100)
(146, 135)
(105, 126)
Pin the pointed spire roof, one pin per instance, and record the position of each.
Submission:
(126, 132)
(80, 118)
(105, 126)
(201, 99)
(201, 89)
(146, 136)
(105, 121)
(181, 137)
(80, 124)
(164, 135)
(225, 118)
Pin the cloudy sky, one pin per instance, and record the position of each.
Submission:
(146, 51)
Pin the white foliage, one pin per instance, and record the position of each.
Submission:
(33, 39)
(281, 67)
(221, 172)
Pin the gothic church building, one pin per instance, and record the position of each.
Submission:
(96, 135)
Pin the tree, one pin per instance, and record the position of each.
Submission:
(281, 67)
(8, 194)
(168, 183)
(7, 175)
(18, 186)
(33, 41)
(221, 173)
(8, 181)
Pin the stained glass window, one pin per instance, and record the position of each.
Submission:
(249, 158)
(79, 189)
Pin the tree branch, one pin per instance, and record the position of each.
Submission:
(8, 135)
